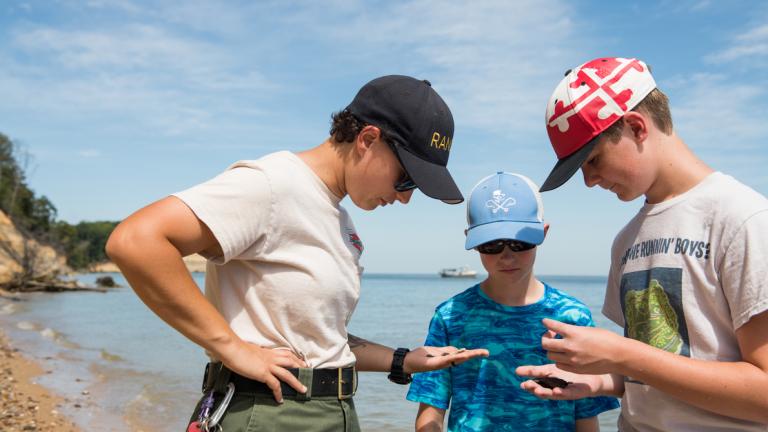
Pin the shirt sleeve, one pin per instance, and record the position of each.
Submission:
(434, 387)
(612, 302)
(743, 272)
(576, 314)
(236, 206)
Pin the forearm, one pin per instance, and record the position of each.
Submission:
(155, 270)
(735, 389)
(428, 426)
(429, 418)
(611, 385)
(589, 424)
(371, 357)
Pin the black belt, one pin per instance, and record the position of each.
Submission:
(340, 382)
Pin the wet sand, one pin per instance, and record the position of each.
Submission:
(25, 405)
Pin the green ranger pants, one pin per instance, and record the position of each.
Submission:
(257, 412)
(260, 413)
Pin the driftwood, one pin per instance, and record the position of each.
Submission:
(51, 286)
(58, 287)
(8, 295)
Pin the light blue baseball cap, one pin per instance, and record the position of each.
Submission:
(505, 206)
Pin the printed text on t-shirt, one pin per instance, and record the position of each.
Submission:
(666, 245)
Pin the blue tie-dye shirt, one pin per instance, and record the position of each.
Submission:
(485, 394)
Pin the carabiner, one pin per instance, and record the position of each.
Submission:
(211, 424)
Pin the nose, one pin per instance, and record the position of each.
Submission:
(404, 197)
(507, 253)
(590, 176)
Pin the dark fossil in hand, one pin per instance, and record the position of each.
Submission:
(551, 382)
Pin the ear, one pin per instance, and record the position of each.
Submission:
(638, 125)
(465, 232)
(365, 139)
(546, 229)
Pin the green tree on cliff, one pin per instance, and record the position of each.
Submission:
(35, 217)
(29, 212)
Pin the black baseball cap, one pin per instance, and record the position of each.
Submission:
(417, 119)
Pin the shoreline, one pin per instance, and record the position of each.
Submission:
(92, 352)
(76, 387)
(26, 405)
(195, 264)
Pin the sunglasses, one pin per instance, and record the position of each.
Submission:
(497, 246)
(405, 183)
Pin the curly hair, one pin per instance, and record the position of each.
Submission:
(345, 127)
(656, 105)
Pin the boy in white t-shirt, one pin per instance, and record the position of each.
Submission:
(282, 277)
(688, 274)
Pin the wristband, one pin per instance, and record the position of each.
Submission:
(396, 373)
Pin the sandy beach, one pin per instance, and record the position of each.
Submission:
(25, 405)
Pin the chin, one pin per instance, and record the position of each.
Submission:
(509, 274)
(367, 206)
(363, 205)
(627, 198)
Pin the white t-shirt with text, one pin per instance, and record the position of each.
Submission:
(685, 275)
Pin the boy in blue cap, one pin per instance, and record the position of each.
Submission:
(503, 314)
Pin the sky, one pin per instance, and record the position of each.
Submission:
(122, 102)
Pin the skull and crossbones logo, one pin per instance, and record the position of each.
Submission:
(500, 202)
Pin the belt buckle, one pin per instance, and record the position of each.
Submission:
(340, 382)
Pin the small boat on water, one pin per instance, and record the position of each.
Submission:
(458, 272)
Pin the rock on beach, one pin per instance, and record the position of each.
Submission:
(24, 405)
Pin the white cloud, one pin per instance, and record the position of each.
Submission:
(740, 51)
(713, 113)
(701, 5)
(139, 48)
(90, 153)
(209, 16)
(496, 61)
(759, 33)
(170, 82)
(664, 9)
(120, 5)
(750, 45)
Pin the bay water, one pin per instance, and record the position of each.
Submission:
(121, 368)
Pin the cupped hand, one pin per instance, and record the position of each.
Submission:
(265, 365)
(579, 386)
(429, 358)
